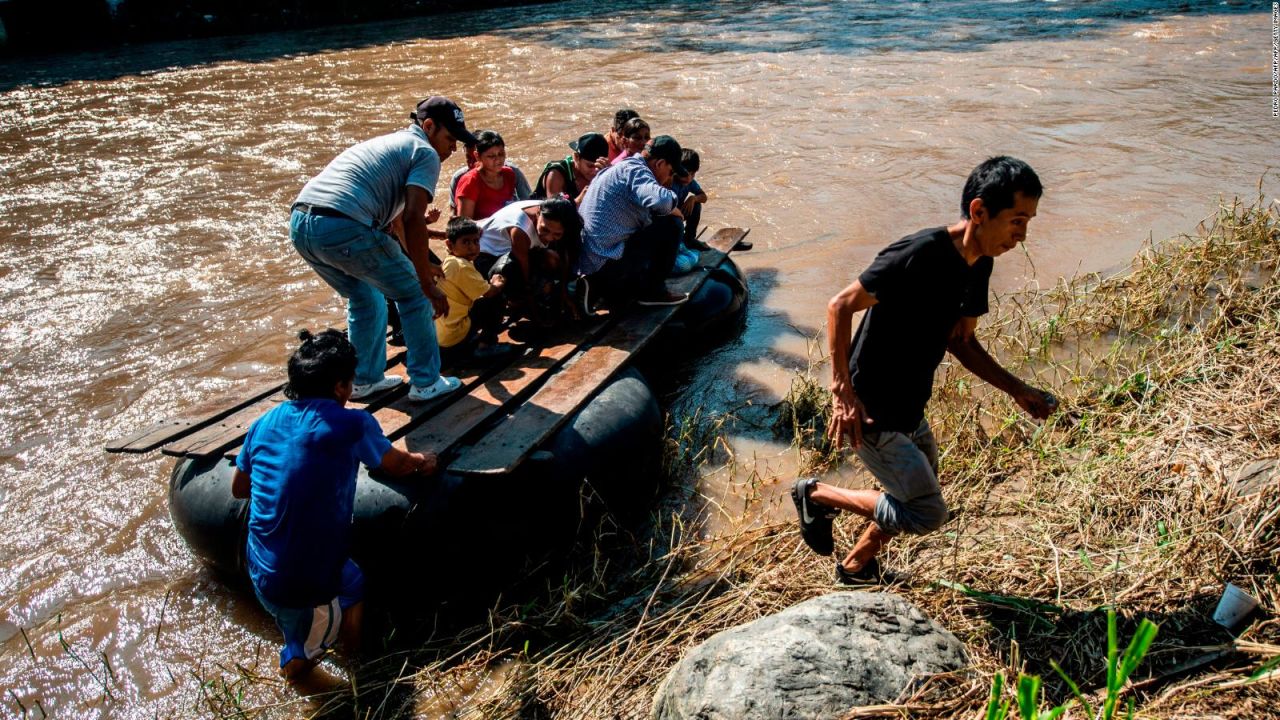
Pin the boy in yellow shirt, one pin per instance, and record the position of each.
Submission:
(470, 330)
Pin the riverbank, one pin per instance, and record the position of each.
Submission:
(31, 27)
(1125, 499)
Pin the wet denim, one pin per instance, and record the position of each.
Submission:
(366, 266)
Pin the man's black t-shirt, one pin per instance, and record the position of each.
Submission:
(923, 286)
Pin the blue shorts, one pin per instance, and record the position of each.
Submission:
(309, 632)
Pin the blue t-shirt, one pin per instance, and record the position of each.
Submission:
(302, 461)
(683, 191)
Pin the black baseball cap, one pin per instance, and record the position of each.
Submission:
(447, 113)
(591, 146)
(665, 147)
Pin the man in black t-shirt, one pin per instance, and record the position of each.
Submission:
(923, 296)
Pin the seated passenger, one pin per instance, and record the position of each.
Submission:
(689, 198)
(614, 136)
(490, 185)
(533, 244)
(523, 191)
(470, 330)
(298, 469)
(635, 134)
(571, 175)
(631, 230)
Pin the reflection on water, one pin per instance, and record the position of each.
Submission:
(145, 263)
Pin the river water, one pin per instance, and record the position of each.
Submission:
(145, 264)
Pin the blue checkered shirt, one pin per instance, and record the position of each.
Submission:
(621, 200)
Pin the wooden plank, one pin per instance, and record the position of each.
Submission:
(726, 238)
(495, 394)
(228, 432)
(503, 449)
(399, 416)
(150, 438)
(204, 415)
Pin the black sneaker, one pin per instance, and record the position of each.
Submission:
(815, 519)
(870, 574)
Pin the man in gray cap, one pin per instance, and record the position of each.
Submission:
(340, 225)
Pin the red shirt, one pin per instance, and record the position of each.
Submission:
(488, 200)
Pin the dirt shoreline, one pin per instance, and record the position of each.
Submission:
(35, 27)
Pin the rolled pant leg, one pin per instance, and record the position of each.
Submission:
(905, 466)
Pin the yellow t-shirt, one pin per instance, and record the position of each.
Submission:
(462, 284)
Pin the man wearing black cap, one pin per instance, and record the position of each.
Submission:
(632, 229)
(574, 173)
(339, 226)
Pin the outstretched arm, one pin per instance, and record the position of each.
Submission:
(416, 205)
(964, 345)
(847, 413)
(397, 462)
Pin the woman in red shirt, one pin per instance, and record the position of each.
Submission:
(490, 185)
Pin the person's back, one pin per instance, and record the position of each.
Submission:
(298, 469)
(304, 454)
(620, 201)
(631, 230)
(366, 181)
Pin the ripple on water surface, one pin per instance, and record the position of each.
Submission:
(146, 265)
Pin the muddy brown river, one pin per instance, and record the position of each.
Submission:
(145, 262)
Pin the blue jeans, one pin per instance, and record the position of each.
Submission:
(366, 266)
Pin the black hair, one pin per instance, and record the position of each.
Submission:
(621, 117)
(562, 210)
(486, 139)
(633, 127)
(996, 181)
(320, 362)
(460, 226)
(690, 160)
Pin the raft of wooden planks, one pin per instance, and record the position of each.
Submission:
(513, 407)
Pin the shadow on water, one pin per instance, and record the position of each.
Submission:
(855, 27)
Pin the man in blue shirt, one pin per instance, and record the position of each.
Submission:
(298, 469)
(631, 229)
(339, 226)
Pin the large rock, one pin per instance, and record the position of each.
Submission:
(817, 659)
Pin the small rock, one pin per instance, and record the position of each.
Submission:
(817, 659)
(1253, 477)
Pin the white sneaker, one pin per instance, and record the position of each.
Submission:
(360, 392)
(442, 386)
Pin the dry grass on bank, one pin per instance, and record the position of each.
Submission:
(1169, 377)
(1170, 380)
